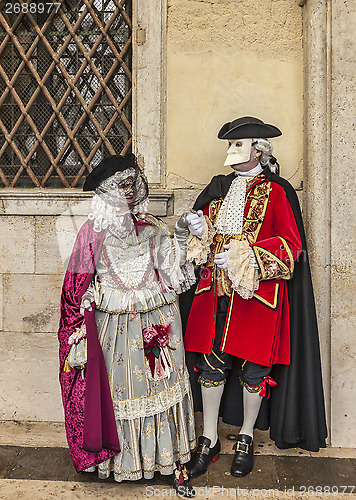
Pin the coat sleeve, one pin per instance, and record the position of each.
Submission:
(276, 255)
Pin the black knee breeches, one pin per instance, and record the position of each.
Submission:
(214, 368)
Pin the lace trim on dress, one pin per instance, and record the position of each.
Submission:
(243, 274)
(198, 249)
(147, 406)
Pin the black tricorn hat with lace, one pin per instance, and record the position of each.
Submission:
(248, 127)
(108, 167)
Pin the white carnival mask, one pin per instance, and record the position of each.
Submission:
(238, 152)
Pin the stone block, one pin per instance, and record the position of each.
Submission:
(29, 384)
(41, 201)
(184, 200)
(343, 349)
(55, 237)
(17, 244)
(160, 202)
(31, 303)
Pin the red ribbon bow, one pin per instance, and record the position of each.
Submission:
(266, 385)
(155, 338)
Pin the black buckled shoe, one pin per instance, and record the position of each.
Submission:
(203, 455)
(242, 462)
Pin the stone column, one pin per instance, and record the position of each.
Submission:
(330, 91)
(149, 88)
(316, 198)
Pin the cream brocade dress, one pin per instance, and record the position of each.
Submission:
(134, 290)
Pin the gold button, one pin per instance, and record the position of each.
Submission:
(288, 261)
(219, 237)
(282, 248)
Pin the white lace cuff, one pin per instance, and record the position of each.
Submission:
(181, 272)
(242, 273)
(198, 248)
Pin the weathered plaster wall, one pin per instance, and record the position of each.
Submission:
(227, 59)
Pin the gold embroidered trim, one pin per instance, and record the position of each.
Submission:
(285, 272)
(257, 210)
(228, 319)
(289, 252)
(226, 284)
(116, 313)
(210, 383)
(214, 207)
(272, 305)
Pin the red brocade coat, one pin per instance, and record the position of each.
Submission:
(256, 329)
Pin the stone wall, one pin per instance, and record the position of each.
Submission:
(38, 229)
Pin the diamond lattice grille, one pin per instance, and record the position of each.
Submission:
(65, 90)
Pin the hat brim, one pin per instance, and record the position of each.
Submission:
(249, 131)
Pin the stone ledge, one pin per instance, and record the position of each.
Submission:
(56, 201)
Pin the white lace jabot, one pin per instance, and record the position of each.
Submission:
(231, 214)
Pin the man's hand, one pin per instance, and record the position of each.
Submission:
(196, 223)
(221, 258)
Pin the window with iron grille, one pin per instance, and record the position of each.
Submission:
(65, 89)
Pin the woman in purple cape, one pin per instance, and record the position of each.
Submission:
(130, 410)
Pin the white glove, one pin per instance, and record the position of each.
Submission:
(221, 259)
(196, 223)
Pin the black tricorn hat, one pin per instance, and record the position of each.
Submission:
(248, 127)
(108, 167)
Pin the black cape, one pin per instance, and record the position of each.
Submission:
(295, 411)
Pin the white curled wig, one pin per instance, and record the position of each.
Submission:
(266, 159)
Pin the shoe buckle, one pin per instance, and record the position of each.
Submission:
(240, 449)
(204, 450)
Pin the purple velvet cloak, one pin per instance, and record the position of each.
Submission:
(89, 415)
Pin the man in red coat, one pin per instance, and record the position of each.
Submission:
(246, 240)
